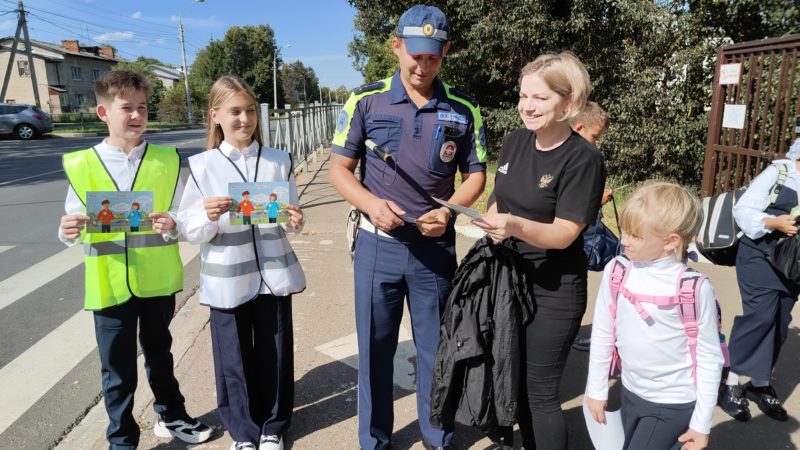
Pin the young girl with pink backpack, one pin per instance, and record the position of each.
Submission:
(659, 321)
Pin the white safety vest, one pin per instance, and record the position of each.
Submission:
(241, 257)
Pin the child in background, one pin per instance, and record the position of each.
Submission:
(248, 273)
(131, 281)
(134, 217)
(667, 399)
(591, 123)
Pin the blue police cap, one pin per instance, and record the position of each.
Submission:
(424, 29)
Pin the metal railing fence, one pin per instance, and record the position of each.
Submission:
(303, 132)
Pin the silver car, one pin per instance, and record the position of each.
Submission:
(24, 121)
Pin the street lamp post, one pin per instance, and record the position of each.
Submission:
(275, 75)
(185, 67)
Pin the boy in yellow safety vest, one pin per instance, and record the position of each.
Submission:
(131, 279)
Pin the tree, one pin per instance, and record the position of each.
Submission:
(142, 66)
(299, 81)
(172, 107)
(245, 51)
(651, 64)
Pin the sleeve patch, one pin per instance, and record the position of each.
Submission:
(341, 123)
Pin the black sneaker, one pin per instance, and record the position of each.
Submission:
(582, 343)
(767, 400)
(731, 400)
(186, 429)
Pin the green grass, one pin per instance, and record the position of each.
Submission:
(480, 203)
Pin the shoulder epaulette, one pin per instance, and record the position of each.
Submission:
(464, 95)
(373, 86)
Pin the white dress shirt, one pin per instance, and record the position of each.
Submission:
(656, 364)
(749, 210)
(122, 168)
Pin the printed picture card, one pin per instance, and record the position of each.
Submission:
(119, 211)
(259, 202)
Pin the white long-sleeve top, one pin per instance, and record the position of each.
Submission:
(122, 168)
(656, 364)
(749, 210)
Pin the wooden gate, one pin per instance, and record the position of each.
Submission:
(761, 111)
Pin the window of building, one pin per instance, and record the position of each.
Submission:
(80, 99)
(76, 73)
(95, 74)
(24, 69)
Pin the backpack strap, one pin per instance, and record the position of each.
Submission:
(616, 281)
(783, 174)
(689, 285)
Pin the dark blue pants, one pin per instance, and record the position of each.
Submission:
(115, 329)
(653, 426)
(254, 367)
(767, 301)
(386, 273)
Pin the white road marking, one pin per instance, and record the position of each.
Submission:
(345, 350)
(5, 247)
(32, 176)
(23, 283)
(30, 375)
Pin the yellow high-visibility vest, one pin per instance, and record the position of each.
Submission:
(120, 265)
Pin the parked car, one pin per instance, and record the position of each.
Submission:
(24, 121)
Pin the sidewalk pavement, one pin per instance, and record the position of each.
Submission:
(325, 356)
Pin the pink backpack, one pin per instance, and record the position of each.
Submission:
(686, 294)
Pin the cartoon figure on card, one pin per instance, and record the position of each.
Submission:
(105, 217)
(245, 207)
(134, 217)
(272, 208)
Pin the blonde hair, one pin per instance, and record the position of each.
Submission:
(565, 74)
(120, 82)
(591, 115)
(222, 91)
(663, 208)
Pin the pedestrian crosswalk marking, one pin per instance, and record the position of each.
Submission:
(25, 380)
(23, 283)
(5, 247)
(345, 350)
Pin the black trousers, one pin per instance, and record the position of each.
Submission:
(653, 426)
(767, 301)
(559, 301)
(115, 330)
(254, 367)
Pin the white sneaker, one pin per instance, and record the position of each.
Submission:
(270, 443)
(242, 446)
(186, 429)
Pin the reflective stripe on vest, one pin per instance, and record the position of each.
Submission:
(240, 259)
(120, 265)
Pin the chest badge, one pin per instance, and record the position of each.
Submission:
(545, 180)
(447, 152)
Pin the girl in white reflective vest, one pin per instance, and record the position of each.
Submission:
(248, 273)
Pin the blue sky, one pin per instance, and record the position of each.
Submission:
(317, 30)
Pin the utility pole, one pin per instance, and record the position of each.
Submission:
(22, 25)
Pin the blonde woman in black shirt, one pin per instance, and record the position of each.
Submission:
(548, 186)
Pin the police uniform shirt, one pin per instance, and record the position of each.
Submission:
(566, 182)
(428, 144)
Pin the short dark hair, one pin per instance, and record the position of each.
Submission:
(246, 193)
(136, 203)
(119, 82)
(104, 202)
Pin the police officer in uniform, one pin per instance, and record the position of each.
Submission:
(425, 131)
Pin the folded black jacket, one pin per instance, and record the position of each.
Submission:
(476, 373)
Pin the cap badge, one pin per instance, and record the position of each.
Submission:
(427, 29)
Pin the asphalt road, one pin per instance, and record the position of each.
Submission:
(48, 366)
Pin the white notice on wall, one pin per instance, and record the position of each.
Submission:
(733, 116)
(730, 73)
